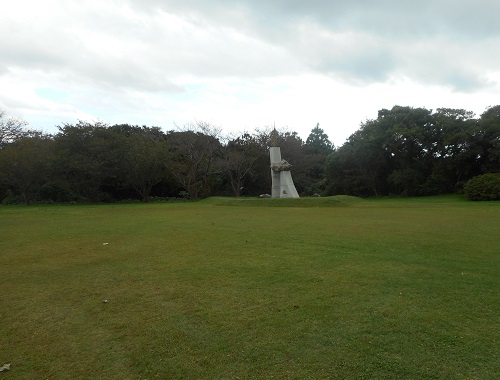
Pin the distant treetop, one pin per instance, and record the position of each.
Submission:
(318, 141)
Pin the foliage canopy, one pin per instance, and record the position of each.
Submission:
(405, 151)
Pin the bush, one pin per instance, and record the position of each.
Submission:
(484, 187)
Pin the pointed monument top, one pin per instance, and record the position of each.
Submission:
(274, 138)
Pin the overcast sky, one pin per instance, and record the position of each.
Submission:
(245, 64)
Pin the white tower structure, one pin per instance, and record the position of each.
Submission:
(282, 183)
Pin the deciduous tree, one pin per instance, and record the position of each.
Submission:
(239, 158)
(11, 129)
(196, 153)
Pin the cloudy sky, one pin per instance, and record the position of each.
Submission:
(245, 64)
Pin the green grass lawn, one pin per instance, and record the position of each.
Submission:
(319, 288)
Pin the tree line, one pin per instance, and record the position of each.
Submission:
(95, 162)
(414, 151)
(405, 151)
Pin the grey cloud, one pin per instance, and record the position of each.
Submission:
(361, 41)
(126, 74)
(145, 53)
(63, 51)
(396, 18)
(465, 81)
(388, 31)
(459, 79)
(33, 48)
(449, 62)
(369, 66)
(355, 57)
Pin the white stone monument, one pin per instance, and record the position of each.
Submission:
(282, 183)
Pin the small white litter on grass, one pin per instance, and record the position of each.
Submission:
(5, 367)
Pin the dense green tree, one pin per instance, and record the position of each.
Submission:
(412, 151)
(487, 138)
(145, 162)
(453, 153)
(99, 162)
(409, 141)
(86, 159)
(362, 164)
(316, 149)
(25, 165)
(318, 142)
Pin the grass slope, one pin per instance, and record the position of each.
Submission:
(375, 289)
(336, 201)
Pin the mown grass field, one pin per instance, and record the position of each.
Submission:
(320, 288)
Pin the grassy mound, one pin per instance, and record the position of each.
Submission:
(335, 201)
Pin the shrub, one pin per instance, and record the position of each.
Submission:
(484, 187)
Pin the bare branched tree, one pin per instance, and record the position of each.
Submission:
(196, 152)
(10, 129)
(240, 155)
